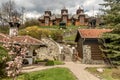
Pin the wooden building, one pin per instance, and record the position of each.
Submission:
(49, 19)
(88, 45)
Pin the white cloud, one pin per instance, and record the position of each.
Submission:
(33, 14)
(92, 13)
(25, 3)
(37, 7)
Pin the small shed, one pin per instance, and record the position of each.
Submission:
(25, 40)
(88, 45)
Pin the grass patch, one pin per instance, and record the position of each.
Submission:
(108, 74)
(48, 74)
(70, 38)
(58, 62)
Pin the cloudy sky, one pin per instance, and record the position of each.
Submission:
(35, 8)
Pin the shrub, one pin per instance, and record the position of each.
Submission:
(35, 32)
(3, 59)
(39, 60)
(38, 32)
(50, 63)
(57, 35)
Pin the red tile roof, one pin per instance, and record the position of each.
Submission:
(20, 40)
(92, 33)
(26, 40)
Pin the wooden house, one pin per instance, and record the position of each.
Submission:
(49, 19)
(88, 45)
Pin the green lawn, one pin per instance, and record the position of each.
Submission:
(48, 74)
(108, 74)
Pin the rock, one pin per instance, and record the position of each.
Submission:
(100, 70)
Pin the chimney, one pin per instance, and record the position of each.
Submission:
(14, 25)
(13, 31)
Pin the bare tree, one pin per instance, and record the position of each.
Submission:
(9, 12)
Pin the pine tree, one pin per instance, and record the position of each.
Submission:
(111, 11)
(112, 40)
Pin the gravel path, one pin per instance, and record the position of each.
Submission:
(76, 68)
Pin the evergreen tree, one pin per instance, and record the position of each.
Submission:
(112, 40)
(111, 12)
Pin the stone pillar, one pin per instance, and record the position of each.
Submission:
(86, 54)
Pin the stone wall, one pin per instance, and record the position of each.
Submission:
(86, 54)
(51, 51)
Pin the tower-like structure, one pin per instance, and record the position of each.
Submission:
(14, 25)
(47, 17)
(81, 16)
(64, 15)
(79, 10)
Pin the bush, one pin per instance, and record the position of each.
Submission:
(57, 35)
(35, 32)
(39, 60)
(49, 63)
(3, 59)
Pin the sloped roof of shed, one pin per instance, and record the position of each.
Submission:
(90, 33)
(20, 40)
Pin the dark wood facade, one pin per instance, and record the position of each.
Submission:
(88, 45)
(96, 53)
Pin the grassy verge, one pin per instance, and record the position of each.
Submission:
(70, 38)
(48, 74)
(107, 74)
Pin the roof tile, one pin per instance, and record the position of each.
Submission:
(92, 33)
(20, 40)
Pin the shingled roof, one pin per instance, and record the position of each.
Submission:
(26, 40)
(20, 40)
(91, 33)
